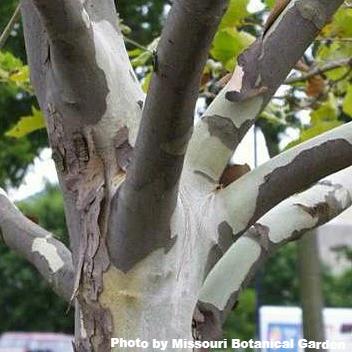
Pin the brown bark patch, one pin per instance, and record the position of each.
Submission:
(306, 168)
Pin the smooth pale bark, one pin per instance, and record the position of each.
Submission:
(286, 222)
(148, 198)
(265, 64)
(286, 174)
(311, 295)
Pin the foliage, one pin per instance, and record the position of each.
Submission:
(27, 124)
(15, 100)
(47, 209)
(278, 285)
(241, 322)
(145, 18)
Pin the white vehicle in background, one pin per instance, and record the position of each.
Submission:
(35, 342)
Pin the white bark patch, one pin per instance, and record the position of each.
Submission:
(158, 287)
(343, 196)
(49, 252)
(83, 330)
(238, 112)
(86, 18)
(124, 90)
(146, 296)
(290, 216)
(242, 205)
(207, 153)
(3, 193)
(234, 267)
(235, 83)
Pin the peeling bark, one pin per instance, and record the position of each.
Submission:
(286, 222)
(261, 69)
(149, 235)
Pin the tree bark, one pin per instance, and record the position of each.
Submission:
(312, 302)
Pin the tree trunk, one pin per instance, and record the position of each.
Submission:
(311, 289)
(149, 224)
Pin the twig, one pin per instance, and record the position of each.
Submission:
(133, 42)
(334, 39)
(319, 70)
(9, 27)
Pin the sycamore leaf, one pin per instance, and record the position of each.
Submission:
(146, 82)
(20, 76)
(314, 131)
(341, 24)
(235, 14)
(228, 44)
(270, 3)
(27, 124)
(347, 103)
(328, 111)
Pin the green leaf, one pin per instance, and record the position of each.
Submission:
(9, 62)
(20, 76)
(235, 14)
(341, 24)
(270, 3)
(347, 103)
(314, 131)
(135, 52)
(328, 111)
(228, 44)
(142, 59)
(146, 82)
(27, 124)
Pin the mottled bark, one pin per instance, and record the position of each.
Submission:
(265, 64)
(286, 222)
(148, 198)
(48, 255)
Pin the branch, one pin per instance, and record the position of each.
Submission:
(150, 191)
(63, 19)
(251, 196)
(9, 27)
(260, 70)
(51, 258)
(81, 70)
(318, 70)
(286, 222)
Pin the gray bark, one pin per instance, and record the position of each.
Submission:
(311, 289)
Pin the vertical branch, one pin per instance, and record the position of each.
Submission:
(148, 198)
(9, 27)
